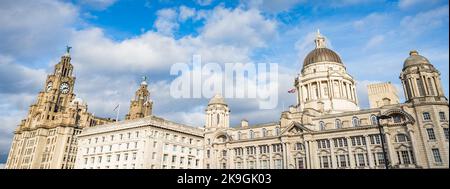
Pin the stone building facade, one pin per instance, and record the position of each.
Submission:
(326, 129)
(46, 138)
(142, 141)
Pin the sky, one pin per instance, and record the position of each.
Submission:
(116, 42)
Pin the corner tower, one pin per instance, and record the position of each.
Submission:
(141, 105)
(217, 113)
(324, 84)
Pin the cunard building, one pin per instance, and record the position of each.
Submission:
(326, 129)
(46, 138)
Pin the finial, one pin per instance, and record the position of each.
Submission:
(144, 80)
(320, 40)
(413, 52)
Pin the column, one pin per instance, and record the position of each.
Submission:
(288, 154)
(244, 157)
(271, 165)
(307, 155)
(309, 91)
(350, 153)
(369, 152)
(257, 157)
(333, 158)
(319, 89)
(392, 157)
(283, 147)
(413, 146)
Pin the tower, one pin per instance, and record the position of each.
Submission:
(141, 105)
(46, 138)
(217, 113)
(420, 79)
(324, 84)
(381, 94)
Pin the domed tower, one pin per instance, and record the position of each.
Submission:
(217, 113)
(141, 106)
(324, 84)
(420, 79)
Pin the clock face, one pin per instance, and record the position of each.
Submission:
(49, 86)
(64, 88)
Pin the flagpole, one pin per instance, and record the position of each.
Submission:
(117, 115)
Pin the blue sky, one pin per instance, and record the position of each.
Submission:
(115, 42)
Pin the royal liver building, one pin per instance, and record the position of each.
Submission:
(326, 129)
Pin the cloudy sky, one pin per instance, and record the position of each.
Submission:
(116, 42)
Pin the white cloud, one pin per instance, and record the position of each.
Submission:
(98, 4)
(204, 2)
(28, 26)
(186, 13)
(408, 4)
(240, 28)
(373, 20)
(424, 21)
(272, 6)
(166, 23)
(374, 41)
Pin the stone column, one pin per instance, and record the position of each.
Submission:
(257, 157)
(307, 155)
(390, 150)
(271, 166)
(369, 152)
(414, 145)
(288, 154)
(350, 153)
(333, 158)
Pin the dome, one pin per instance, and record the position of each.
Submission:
(217, 99)
(415, 59)
(321, 55)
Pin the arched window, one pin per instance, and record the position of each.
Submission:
(277, 131)
(239, 135)
(374, 120)
(252, 134)
(264, 131)
(355, 122)
(338, 124)
(321, 125)
(386, 101)
(401, 138)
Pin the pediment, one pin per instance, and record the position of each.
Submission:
(295, 128)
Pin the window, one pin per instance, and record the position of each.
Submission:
(321, 125)
(277, 131)
(224, 153)
(277, 147)
(340, 142)
(298, 146)
(165, 157)
(375, 139)
(174, 148)
(108, 158)
(342, 161)
(323, 144)
(355, 122)
(300, 163)
(207, 153)
(174, 158)
(264, 131)
(430, 133)
(117, 157)
(397, 118)
(442, 116)
(426, 116)
(264, 149)
(446, 133)
(380, 158)
(338, 124)
(239, 135)
(324, 161)
(361, 160)
(278, 164)
(374, 120)
(251, 134)
(437, 155)
(358, 140)
(405, 157)
(402, 138)
(420, 87)
(134, 155)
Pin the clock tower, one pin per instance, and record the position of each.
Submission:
(46, 138)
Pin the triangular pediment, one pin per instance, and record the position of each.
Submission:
(295, 128)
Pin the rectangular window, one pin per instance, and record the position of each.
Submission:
(442, 116)
(361, 160)
(437, 155)
(430, 133)
(300, 163)
(165, 157)
(342, 161)
(380, 158)
(426, 116)
(405, 157)
(278, 164)
(446, 133)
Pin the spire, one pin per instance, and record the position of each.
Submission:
(320, 40)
